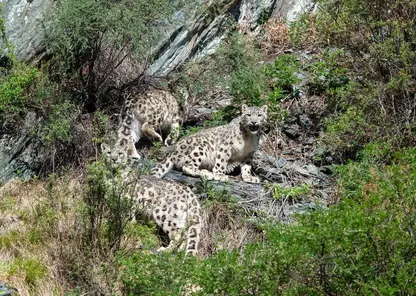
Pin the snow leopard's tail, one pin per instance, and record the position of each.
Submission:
(194, 223)
(163, 168)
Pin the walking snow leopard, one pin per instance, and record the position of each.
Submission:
(151, 114)
(174, 207)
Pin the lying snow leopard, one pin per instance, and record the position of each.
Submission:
(211, 153)
(149, 115)
(174, 207)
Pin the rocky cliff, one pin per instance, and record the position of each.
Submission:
(189, 39)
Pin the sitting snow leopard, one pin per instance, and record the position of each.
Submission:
(149, 115)
(213, 152)
(174, 207)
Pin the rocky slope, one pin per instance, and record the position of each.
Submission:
(193, 38)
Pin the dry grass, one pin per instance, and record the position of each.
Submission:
(223, 229)
(38, 228)
(42, 242)
(275, 37)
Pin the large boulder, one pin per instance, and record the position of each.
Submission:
(203, 33)
(21, 155)
(24, 27)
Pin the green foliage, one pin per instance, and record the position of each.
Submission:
(362, 245)
(145, 231)
(108, 209)
(101, 127)
(156, 152)
(215, 193)
(32, 270)
(189, 130)
(290, 192)
(327, 73)
(282, 78)
(346, 133)
(248, 85)
(374, 71)
(301, 31)
(158, 275)
(16, 89)
(58, 126)
(81, 27)
(90, 40)
(283, 72)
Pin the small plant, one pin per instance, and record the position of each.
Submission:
(189, 130)
(108, 209)
(283, 73)
(302, 31)
(58, 126)
(156, 152)
(16, 89)
(101, 127)
(215, 193)
(32, 270)
(327, 73)
(280, 192)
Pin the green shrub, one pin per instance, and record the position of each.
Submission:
(328, 73)
(59, 123)
(283, 73)
(18, 90)
(346, 134)
(302, 30)
(361, 246)
(32, 270)
(374, 71)
(91, 41)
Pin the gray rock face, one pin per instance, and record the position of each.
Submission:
(23, 26)
(201, 35)
(257, 198)
(20, 155)
(17, 157)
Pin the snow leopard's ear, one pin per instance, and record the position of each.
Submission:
(264, 108)
(244, 108)
(104, 147)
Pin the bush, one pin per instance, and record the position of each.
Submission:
(99, 48)
(361, 246)
(108, 208)
(21, 90)
(374, 72)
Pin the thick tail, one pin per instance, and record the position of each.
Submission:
(163, 168)
(194, 223)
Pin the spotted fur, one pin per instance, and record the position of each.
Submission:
(174, 207)
(149, 115)
(210, 152)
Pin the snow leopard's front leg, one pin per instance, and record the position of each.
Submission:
(246, 170)
(220, 168)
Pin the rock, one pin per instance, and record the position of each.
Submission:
(199, 37)
(256, 197)
(24, 28)
(21, 155)
(203, 110)
(313, 170)
(291, 131)
(289, 10)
